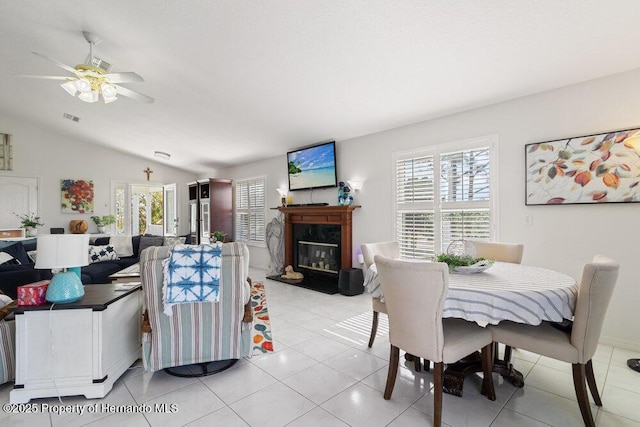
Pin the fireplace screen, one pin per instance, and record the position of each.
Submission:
(318, 256)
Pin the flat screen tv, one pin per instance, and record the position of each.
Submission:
(313, 167)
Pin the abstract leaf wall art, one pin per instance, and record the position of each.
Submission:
(601, 168)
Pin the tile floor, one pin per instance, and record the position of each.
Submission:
(323, 374)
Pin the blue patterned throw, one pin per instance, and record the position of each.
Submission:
(192, 274)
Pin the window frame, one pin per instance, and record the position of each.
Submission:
(437, 206)
(257, 243)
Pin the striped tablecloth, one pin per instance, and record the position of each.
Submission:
(520, 293)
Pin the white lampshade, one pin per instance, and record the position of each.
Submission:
(70, 87)
(282, 191)
(89, 96)
(83, 85)
(108, 91)
(109, 99)
(62, 250)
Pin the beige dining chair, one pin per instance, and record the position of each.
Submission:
(498, 251)
(369, 251)
(579, 345)
(503, 252)
(414, 296)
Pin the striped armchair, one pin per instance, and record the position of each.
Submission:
(196, 333)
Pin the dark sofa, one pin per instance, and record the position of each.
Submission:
(99, 272)
(14, 275)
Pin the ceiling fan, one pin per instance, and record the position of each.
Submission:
(92, 79)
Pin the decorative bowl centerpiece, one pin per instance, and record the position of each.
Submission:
(464, 264)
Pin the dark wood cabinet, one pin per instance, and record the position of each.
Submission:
(210, 209)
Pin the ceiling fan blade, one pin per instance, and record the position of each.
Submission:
(45, 77)
(134, 95)
(58, 63)
(126, 77)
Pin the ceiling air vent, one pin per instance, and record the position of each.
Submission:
(70, 117)
(98, 63)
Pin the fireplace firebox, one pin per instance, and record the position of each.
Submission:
(317, 244)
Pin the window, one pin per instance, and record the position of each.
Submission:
(444, 194)
(250, 210)
(138, 208)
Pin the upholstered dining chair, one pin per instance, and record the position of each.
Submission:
(498, 251)
(579, 345)
(414, 296)
(503, 252)
(369, 251)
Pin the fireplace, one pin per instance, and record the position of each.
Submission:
(317, 242)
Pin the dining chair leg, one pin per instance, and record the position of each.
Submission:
(438, 374)
(394, 360)
(591, 382)
(417, 364)
(581, 393)
(374, 328)
(487, 372)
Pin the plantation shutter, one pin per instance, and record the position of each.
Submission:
(415, 227)
(250, 210)
(442, 196)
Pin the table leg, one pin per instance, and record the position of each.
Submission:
(455, 373)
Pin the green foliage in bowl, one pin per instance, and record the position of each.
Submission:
(454, 261)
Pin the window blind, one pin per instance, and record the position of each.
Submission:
(250, 210)
(442, 195)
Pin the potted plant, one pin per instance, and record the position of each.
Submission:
(218, 236)
(29, 223)
(103, 221)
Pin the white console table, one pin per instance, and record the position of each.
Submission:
(79, 348)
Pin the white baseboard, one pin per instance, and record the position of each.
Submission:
(615, 342)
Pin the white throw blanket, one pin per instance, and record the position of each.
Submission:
(191, 274)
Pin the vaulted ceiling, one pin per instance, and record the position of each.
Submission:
(237, 81)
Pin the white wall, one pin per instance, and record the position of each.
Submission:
(52, 157)
(560, 237)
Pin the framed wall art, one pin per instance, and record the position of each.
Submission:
(77, 196)
(6, 152)
(601, 168)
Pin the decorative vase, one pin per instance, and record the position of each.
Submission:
(101, 229)
(78, 226)
(31, 231)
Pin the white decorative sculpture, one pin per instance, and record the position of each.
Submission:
(275, 245)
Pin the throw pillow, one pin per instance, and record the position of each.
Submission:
(172, 241)
(33, 255)
(5, 258)
(122, 245)
(102, 253)
(17, 251)
(148, 241)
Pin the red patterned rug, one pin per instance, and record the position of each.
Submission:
(262, 340)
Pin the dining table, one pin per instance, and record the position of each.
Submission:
(504, 291)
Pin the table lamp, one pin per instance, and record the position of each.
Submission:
(68, 251)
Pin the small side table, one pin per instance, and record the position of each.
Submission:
(77, 348)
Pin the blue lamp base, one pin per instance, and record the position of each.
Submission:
(64, 287)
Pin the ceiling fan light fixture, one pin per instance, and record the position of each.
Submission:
(108, 90)
(109, 99)
(83, 85)
(70, 87)
(89, 96)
